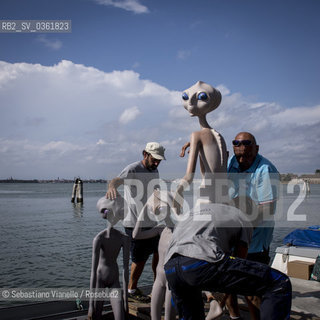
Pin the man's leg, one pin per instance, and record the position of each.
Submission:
(232, 305)
(135, 273)
(254, 302)
(187, 297)
(137, 265)
(140, 252)
(138, 258)
(137, 269)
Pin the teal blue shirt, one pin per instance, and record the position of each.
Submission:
(259, 182)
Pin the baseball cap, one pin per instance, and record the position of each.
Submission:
(156, 150)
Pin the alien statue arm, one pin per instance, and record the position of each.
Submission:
(192, 162)
(139, 232)
(183, 152)
(157, 209)
(184, 148)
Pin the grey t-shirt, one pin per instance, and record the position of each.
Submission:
(139, 183)
(209, 232)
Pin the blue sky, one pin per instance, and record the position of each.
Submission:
(86, 102)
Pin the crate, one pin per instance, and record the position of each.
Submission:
(300, 269)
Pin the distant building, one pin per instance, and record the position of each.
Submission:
(311, 178)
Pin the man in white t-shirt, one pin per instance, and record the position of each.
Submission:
(139, 179)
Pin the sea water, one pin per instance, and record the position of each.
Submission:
(46, 241)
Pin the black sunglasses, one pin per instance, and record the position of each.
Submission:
(238, 143)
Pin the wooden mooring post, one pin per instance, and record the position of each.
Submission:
(77, 191)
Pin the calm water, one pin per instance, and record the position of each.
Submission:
(45, 240)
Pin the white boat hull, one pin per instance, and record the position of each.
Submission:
(285, 254)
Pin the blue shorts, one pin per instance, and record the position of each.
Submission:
(188, 277)
(141, 249)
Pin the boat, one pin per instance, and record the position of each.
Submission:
(296, 258)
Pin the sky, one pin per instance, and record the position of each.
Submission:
(85, 103)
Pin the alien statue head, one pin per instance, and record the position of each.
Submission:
(201, 99)
(112, 210)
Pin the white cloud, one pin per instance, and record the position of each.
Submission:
(298, 116)
(63, 120)
(59, 147)
(223, 89)
(129, 5)
(50, 43)
(129, 115)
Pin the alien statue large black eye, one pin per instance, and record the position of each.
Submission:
(185, 96)
(202, 96)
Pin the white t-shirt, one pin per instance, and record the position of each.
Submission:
(139, 184)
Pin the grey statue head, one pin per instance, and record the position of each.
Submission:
(201, 98)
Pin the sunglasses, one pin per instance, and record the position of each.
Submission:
(238, 143)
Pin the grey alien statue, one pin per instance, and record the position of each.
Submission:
(208, 144)
(105, 272)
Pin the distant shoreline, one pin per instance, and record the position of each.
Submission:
(284, 178)
(50, 181)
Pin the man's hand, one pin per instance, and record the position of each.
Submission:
(184, 148)
(111, 193)
(112, 188)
